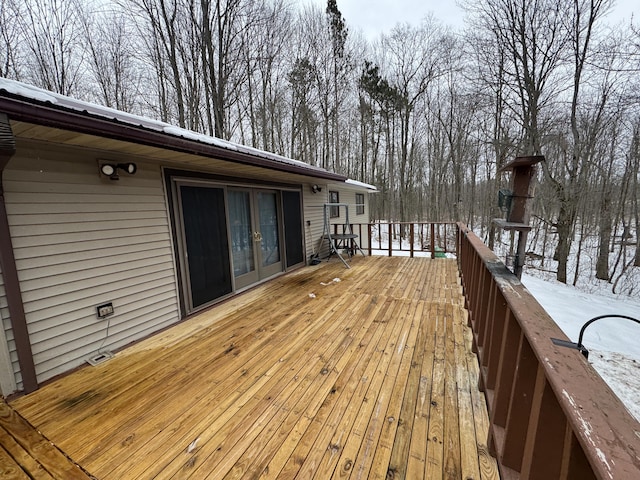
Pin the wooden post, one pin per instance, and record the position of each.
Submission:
(523, 187)
(433, 240)
(518, 261)
(411, 240)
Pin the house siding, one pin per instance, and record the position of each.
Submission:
(314, 213)
(7, 377)
(313, 218)
(81, 240)
(349, 197)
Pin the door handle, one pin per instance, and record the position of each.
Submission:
(257, 236)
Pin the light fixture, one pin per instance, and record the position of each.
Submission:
(111, 169)
(315, 188)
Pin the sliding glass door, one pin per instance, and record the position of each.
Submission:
(232, 237)
(206, 243)
(255, 235)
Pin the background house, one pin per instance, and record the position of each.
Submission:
(198, 220)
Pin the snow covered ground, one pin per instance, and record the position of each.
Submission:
(613, 344)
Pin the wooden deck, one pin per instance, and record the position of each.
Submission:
(370, 377)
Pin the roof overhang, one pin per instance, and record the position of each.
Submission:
(355, 185)
(28, 104)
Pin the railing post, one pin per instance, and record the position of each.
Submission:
(390, 239)
(411, 228)
(546, 434)
(433, 240)
(444, 229)
(369, 233)
(520, 404)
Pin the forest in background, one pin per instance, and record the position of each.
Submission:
(425, 113)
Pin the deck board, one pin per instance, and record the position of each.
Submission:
(372, 376)
(26, 454)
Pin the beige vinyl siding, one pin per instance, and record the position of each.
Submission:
(7, 377)
(313, 204)
(348, 196)
(81, 240)
(313, 211)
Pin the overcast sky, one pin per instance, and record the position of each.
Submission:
(376, 16)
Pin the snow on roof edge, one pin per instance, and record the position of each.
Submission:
(38, 94)
(356, 183)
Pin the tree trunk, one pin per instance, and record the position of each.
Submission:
(602, 264)
(565, 228)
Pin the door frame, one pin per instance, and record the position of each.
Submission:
(175, 178)
(179, 228)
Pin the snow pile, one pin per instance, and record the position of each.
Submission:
(614, 349)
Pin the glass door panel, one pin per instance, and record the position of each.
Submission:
(206, 246)
(270, 260)
(268, 221)
(293, 231)
(242, 237)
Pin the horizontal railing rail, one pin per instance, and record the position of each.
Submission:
(551, 415)
(432, 239)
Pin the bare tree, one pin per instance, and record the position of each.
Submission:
(51, 32)
(110, 41)
(10, 14)
(545, 39)
(413, 61)
(159, 24)
(583, 18)
(263, 94)
(533, 38)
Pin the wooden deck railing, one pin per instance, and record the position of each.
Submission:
(409, 238)
(551, 415)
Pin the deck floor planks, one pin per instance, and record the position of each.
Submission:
(336, 413)
(469, 461)
(380, 468)
(392, 353)
(9, 468)
(412, 464)
(335, 419)
(480, 414)
(407, 417)
(327, 364)
(321, 412)
(145, 425)
(25, 453)
(357, 440)
(245, 396)
(126, 397)
(110, 378)
(452, 468)
(336, 387)
(435, 438)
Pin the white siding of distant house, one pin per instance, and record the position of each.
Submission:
(79, 241)
(349, 197)
(313, 203)
(313, 218)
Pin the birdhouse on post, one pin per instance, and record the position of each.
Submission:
(516, 203)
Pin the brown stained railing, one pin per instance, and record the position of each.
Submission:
(412, 238)
(551, 415)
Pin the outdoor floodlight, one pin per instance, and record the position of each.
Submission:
(111, 169)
